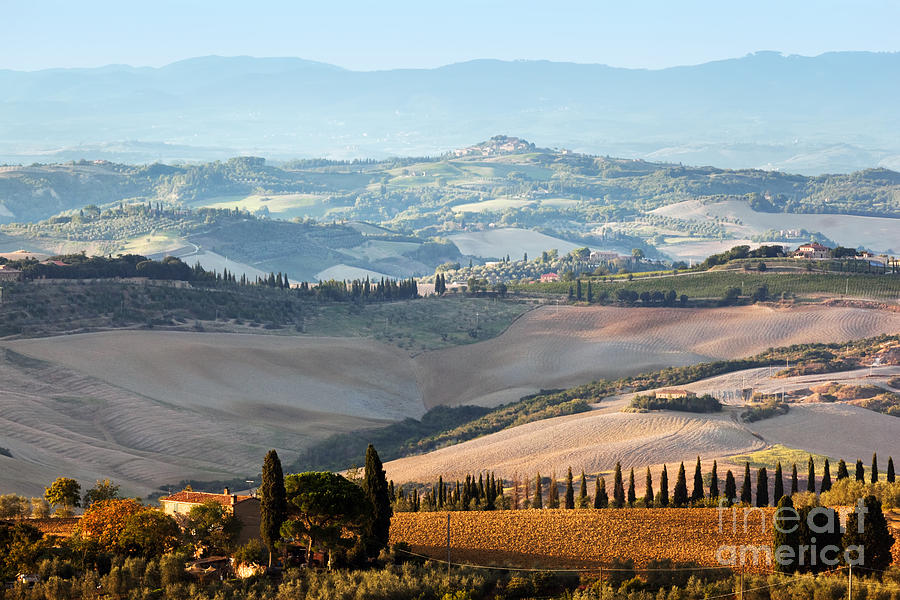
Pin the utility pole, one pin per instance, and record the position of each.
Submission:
(850, 581)
(448, 549)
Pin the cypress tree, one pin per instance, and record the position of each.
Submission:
(811, 476)
(762, 487)
(794, 483)
(553, 496)
(890, 470)
(746, 492)
(632, 493)
(648, 489)
(664, 487)
(679, 494)
(601, 498)
(583, 498)
(875, 537)
(875, 467)
(440, 498)
(826, 478)
(618, 488)
(272, 502)
(860, 471)
(376, 488)
(570, 491)
(786, 535)
(538, 501)
(697, 492)
(778, 491)
(730, 488)
(714, 481)
(842, 471)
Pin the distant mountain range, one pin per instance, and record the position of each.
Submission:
(836, 112)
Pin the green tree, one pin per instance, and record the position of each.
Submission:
(272, 502)
(149, 533)
(583, 498)
(795, 485)
(746, 492)
(714, 481)
(211, 528)
(570, 490)
(376, 489)
(811, 476)
(326, 509)
(664, 487)
(64, 491)
(860, 471)
(679, 494)
(730, 488)
(875, 467)
(786, 539)
(778, 489)
(697, 491)
(890, 470)
(538, 501)
(102, 490)
(553, 492)
(632, 493)
(826, 478)
(648, 489)
(618, 488)
(601, 498)
(762, 487)
(842, 472)
(872, 535)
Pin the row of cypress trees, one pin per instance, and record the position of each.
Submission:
(487, 493)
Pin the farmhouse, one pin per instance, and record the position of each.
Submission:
(673, 394)
(813, 250)
(598, 256)
(10, 274)
(549, 277)
(245, 508)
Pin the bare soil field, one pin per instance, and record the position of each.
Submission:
(496, 243)
(148, 408)
(558, 347)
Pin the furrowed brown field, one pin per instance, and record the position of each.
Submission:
(584, 538)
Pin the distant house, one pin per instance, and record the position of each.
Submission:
(597, 256)
(813, 250)
(10, 274)
(674, 394)
(546, 277)
(245, 508)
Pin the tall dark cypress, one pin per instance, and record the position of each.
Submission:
(553, 494)
(786, 535)
(730, 488)
(570, 490)
(664, 487)
(648, 489)
(618, 488)
(679, 494)
(538, 501)
(795, 486)
(778, 490)
(376, 489)
(842, 472)
(746, 492)
(826, 478)
(874, 467)
(762, 487)
(890, 470)
(714, 481)
(697, 492)
(860, 471)
(811, 475)
(632, 493)
(601, 498)
(583, 498)
(272, 502)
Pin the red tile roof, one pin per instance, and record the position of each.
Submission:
(201, 497)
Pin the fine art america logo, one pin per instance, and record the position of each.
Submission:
(814, 547)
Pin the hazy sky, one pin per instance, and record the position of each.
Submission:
(366, 35)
